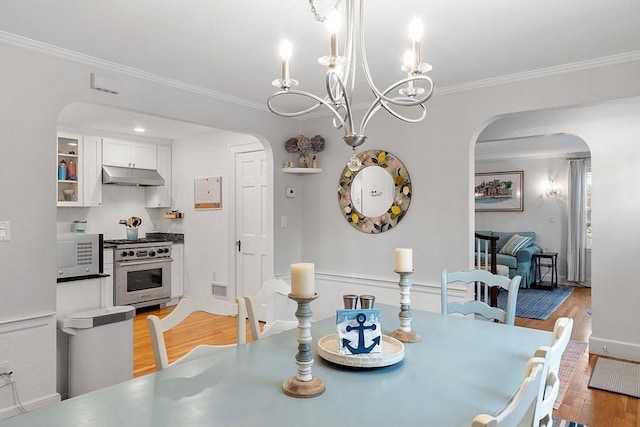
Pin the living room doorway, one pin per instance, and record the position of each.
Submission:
(547, 191)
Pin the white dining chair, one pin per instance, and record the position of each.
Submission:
(478, 306)
(521, 409)
(551, 382)
(262, 303)
(187, 306)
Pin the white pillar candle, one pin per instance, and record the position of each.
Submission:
(303, 280)
(404, 260)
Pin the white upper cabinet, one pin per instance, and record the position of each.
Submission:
(160, 197)
(128, 154)
(79, 170)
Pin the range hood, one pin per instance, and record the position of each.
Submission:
(131, 176)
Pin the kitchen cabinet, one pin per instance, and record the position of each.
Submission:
(128, 154)
(160, 197)
(79, 170)
(177, 272)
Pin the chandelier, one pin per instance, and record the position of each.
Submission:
(412, 91)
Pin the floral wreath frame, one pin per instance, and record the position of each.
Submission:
(401, 200)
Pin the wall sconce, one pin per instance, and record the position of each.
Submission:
(552, 189)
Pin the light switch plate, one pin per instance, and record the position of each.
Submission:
(5, 231)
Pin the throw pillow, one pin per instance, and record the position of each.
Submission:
(514, 244)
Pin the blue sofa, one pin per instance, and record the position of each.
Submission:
(520, 264)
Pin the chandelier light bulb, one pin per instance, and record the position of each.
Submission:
(285, 50)
(415, 29)
(333, 22)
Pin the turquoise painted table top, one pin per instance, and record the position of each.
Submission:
(462, 367)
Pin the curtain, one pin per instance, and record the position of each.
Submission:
(577, 233)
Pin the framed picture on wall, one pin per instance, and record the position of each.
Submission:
(499, 191)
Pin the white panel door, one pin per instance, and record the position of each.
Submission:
(251, 222)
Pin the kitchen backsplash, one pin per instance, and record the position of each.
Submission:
(118, 202)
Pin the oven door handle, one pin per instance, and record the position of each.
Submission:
(127, 263)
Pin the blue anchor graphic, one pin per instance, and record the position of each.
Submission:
(360, 318)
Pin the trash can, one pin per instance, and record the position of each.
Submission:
(100, 347)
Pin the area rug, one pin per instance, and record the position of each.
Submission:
(537, 303)
(557, 422)
(616, 376)
(568, 365)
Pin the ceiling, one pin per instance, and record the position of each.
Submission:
(230, 47)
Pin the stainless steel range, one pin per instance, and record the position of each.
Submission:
(142, 270)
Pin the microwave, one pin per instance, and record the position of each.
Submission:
(79, 256)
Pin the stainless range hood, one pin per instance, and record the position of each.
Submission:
(131, 176)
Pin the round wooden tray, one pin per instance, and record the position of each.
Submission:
(392, 353)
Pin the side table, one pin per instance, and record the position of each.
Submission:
(549, 260)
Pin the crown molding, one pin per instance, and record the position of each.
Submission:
(16, 40)
(542, 72)
(49, 49)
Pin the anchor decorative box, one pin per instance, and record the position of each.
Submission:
(359, 331)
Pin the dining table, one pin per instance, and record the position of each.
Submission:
(460, 368)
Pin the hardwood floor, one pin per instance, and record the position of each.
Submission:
(594, 408)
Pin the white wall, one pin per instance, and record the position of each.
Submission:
(208, 248)
(544, 215)
(438, 152)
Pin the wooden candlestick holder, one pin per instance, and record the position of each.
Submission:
(404, 333)
(303, 384)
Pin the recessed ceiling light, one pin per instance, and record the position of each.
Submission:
(139, 129)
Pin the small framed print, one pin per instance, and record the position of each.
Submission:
(499, 191)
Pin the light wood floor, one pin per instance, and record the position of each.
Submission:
(594, 408)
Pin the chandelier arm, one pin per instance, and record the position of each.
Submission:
(382, 95)
(363, 56)
(381, 102)
(343, 99)
(350, 50)
(320, 101)
(378, 104)
(408, 101)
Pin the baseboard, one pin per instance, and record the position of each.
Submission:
(12, 411)
(617, 349)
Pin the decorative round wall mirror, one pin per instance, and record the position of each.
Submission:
(376, 197)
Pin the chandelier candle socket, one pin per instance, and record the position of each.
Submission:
(334, 27)
(303, 280)
(404, 260)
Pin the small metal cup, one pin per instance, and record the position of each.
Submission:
(350, 301)
(366, 301)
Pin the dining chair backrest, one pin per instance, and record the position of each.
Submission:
(187, 306)
(521, 409)
(552, 354)
(264, 301)
(476, 306)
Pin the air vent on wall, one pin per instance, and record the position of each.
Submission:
(104, 84)
(219, 290)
